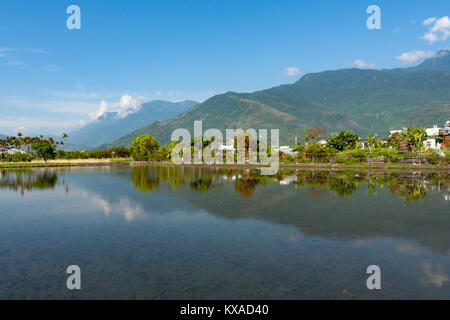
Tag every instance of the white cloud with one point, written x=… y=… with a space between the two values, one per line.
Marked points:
x=22 y=130
x=45 y=105
x=429 y=21
x=50 y=68
x=439 y=29
x=92 y=116
x=434 y=274
x=409 y=248
x=363 y=65
x=414 y=56
x=35 y=125
x=15 y=63
x=131 y=211
x=4 y=52
x=291 y=71
x=127 y=105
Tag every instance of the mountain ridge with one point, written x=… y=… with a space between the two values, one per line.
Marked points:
x=361 y=100
x=111 y=125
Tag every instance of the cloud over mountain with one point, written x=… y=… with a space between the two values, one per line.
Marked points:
x=414 y=56
x=439 y=29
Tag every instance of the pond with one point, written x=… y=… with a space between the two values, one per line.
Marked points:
x=207 y=233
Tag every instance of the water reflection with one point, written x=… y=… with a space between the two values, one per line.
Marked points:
x=195 y=233
x=26 y=180
x=408 y=186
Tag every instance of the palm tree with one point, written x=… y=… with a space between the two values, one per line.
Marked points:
x=416 y=138
x=372 y=139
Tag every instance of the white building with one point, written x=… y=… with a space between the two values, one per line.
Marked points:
x=287 y=150
x=433 y=132
x=10 y=151
x=397 y=131
x=432 y=142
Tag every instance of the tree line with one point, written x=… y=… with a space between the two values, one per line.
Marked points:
x=340 y=147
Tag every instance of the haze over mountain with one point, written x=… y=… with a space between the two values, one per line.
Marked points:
x=349 y=99
x=110 y=125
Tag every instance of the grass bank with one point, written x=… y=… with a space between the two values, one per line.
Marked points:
x=130 y=162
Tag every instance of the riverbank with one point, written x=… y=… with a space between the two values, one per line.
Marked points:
x=67 y=163
x=290 y=166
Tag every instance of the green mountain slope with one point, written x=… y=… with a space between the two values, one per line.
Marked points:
x=360 y=100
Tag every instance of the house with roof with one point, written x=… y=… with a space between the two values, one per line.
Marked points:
x=287 y=150
x=437 y=137
x=434 y=141
x=445 y=134
x=10 y=151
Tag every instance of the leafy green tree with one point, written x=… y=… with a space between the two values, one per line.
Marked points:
x=144 y=148
x=44 y=150
x=395 y=139
x=416 y=137
x=316 y=151
x=343 y=140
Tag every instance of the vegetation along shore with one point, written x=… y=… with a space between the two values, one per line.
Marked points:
x=404 y=149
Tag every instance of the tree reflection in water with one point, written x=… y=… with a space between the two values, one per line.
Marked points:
x=26 y=180
x=410 y=187
x=144 y=179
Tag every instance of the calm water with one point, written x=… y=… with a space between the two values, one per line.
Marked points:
x=190 y=233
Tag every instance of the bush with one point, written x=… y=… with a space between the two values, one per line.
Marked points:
x=144 y=148
x=353 y=156
x=94 y=154
x=343 y=140
x=17 y=157
x=432 y=157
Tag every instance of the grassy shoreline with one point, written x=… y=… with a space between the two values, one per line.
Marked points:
x=129 y=162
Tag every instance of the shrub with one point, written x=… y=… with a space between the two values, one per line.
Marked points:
x=344 y=140
x=432 y=157
x=144 y=148
x=352 y=156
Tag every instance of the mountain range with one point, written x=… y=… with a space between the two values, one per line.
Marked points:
x=360 y=100
x=111 y=125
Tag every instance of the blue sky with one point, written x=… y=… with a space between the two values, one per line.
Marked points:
x=53 y=79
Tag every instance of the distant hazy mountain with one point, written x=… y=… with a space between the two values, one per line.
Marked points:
x=111 y=126
x=440 y=62
x=352 y=99
x=2 y=136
